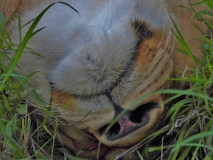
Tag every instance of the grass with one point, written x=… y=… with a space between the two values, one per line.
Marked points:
x=186 y=133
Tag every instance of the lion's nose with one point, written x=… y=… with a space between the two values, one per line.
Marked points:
x=128 y=122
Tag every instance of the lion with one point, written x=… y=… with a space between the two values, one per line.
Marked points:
x=102 y=58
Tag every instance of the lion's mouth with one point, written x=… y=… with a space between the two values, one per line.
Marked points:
x=128 y=122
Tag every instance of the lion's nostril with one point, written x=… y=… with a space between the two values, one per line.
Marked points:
x=129 y=122
x=114 y=130
x=138 y=115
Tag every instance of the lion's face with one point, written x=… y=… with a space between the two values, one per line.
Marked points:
x=104 y=84
x=103 y=65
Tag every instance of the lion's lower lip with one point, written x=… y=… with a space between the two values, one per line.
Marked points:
x=129 y=122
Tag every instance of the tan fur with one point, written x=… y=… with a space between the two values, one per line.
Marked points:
x=156 y=61
x=189 y=31
x=8 y=7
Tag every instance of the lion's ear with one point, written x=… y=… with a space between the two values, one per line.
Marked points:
x=8 y=7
